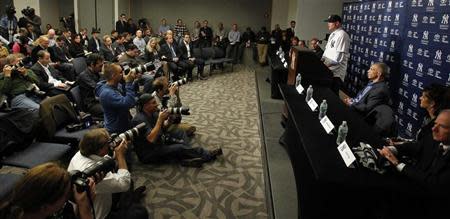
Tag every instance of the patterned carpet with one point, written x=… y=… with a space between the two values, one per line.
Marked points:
x=224 y=109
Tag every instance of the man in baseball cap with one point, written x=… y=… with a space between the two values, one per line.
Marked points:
x=336 y=52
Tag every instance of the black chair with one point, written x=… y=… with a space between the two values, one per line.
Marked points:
x=37 y=153
x=79 y=65
x=8 y=180
x=76 y=95
x=381 y=118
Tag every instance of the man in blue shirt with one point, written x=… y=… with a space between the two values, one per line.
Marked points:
x=375 y=93
x=116 y=99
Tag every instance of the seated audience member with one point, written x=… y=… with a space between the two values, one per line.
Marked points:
x=41 y=44
x=162 y=88
x=51 y=35
x=170 y=53
x=314 y=45
x=294 y=42
x=3 y=51
x=375 y=93
x=234 y=37
x=87 y=80
x=118 y=45
x=32 y=32
x=94 y=42
x=21 y=46
x=43 y=192
x=187 y=59
x=168 y=34
x=15 y=83
x=431 y=154
x=67 y=34
x=106 y=50
x=262 y=45
x=84 y=37
x=130 y=55
x=302 y=44
x=22 y=32
x=157 y=145
x=76 y=49
x=148 y=34
x=139 y=41
x=114 y=35
x=115 y=101
x=50 y=79
x=59 y=52
x=152 y=54
x=95 y=145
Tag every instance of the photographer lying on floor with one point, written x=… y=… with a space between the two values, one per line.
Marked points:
x=155 y=144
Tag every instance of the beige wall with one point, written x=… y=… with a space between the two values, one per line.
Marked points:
x=105 y=15
x=253 y=13
x=283 y=11
x=50 y=13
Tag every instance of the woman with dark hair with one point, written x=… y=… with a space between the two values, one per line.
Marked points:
x=76 y=48
x=44 y=191
x=21 y=46
x=431 y=100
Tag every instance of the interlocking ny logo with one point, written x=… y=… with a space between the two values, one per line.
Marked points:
x=420 y=67
x=425 y=35
x=410 y=48
x=431 y=3
x=444 y=19
x=438 y=54
x=414 y=98
x=415 y=18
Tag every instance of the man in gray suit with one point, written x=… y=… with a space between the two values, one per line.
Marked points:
x=375 y=93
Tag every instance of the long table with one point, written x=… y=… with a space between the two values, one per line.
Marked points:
x=326 y=187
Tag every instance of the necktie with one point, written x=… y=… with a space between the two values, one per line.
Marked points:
x=173 y=51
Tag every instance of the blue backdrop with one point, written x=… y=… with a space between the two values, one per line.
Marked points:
x=412 y=38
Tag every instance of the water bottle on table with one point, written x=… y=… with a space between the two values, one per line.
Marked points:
x=309 y=93
x=323 y=109
x=298 y=79
x=342 y=133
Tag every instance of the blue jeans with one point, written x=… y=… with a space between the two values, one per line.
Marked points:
x=22 y=101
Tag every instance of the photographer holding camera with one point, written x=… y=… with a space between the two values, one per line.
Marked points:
x=19 y=84
x=167 y=96
x=116 y=100
x=44 y=193
x=94 y=146
x=30 y=17
x=155 y=144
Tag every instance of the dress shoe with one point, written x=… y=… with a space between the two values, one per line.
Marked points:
x=202 y=77
x=194 y=162
x=216 y=152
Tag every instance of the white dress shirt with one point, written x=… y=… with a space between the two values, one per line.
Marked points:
x=51 y=79
x=112 y=183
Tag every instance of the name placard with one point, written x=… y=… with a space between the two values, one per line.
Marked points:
x=312 y=104
x=300 y=89
x=327 y=124
x=346 y=154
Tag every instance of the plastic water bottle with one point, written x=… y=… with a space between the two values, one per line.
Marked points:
x=323 y=109
x=298 y=79
x=309 y=93
x=342 y=133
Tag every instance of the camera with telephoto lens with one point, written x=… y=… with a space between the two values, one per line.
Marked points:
x=179 y=82
x=80 y=178
x=149 y=66
x=28 y=11
x=128 y=135
x=179 y=110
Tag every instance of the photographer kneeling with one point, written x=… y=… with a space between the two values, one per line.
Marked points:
x=93 y=147
x=43 y=192
x=155 y=144
x=168 y=96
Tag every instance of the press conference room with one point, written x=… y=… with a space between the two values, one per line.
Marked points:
x=224 y=109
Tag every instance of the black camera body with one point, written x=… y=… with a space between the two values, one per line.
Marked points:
x=28 y=11
x=80 y=178
x=128 y=135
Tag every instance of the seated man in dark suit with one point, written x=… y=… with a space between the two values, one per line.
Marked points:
x=119 y=46
x=187 y=59
x=87 y=80
x=50 y=79
x=106 y=49
x=375 y=93
x=170 y=53
x=431 y=154
x=94 y=43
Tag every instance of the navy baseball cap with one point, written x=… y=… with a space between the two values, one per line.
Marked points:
x=333 y=18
